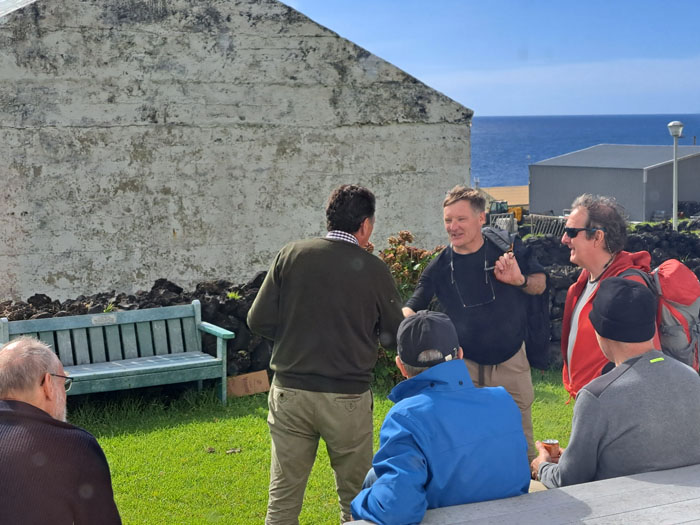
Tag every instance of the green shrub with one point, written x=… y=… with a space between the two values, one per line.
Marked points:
x=406 y=263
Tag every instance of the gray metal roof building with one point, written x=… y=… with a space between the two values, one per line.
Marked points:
x=639 y=177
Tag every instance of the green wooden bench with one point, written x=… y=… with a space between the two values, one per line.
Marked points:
x=131 y=349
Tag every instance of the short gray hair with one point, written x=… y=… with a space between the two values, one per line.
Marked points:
x=604 y=212
x=23 y=362
x=424 y=357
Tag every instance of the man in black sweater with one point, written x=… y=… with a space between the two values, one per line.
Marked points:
x=325 y=303
x=482 y=290
x=51 y=471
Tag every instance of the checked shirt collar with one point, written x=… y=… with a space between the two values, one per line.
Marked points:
x=341 y=236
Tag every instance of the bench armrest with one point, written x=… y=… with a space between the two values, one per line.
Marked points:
x=216 y=330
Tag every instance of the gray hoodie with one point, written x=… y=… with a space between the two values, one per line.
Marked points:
x=643 y=415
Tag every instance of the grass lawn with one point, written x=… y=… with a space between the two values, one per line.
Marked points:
x=184 y=459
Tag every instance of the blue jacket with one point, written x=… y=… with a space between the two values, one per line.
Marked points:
x=445 y=442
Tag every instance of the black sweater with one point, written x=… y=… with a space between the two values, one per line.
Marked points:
x=491 y=327
x=51 y=471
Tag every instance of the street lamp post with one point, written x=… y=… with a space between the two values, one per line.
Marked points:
x=675 y=128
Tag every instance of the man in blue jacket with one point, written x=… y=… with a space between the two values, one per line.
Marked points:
x=445 y=442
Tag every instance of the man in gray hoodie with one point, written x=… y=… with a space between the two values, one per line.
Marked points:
x=639 y=417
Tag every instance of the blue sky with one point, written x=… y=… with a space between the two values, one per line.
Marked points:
x=534 y=57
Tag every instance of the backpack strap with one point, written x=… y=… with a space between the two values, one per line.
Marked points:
x=500 y=238
x=645 y=276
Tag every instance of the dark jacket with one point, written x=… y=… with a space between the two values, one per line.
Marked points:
x=51 y=471
x=493 y=331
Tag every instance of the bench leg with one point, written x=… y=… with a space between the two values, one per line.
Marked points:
x=200 y=384
x=222 y=391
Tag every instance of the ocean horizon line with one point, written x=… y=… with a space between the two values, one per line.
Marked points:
x=590 y=115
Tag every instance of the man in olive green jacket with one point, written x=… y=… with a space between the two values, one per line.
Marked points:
x=325 y=303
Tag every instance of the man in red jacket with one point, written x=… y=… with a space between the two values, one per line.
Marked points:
x=596 y=233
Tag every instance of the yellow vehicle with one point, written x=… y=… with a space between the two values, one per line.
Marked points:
x=502 y=207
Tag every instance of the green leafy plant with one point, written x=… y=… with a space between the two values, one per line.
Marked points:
x=406 y=263
x=109 y=308
x=386 y=373
x=235 y=295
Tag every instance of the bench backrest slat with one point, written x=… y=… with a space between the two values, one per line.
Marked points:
x=129 y=346
x=145 y=338
x=193 y=342
x=81 y=347
x=97 y=344
x=4 y=331
x=114 y=343
x=160 y=337
x=175 y=336
x=64 y=347
x=47 y=337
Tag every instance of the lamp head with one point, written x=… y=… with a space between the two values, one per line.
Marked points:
x=675 y=128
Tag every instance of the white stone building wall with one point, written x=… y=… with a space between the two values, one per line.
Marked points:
x=191 y=139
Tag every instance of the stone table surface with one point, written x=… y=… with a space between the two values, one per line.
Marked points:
x=667 y=496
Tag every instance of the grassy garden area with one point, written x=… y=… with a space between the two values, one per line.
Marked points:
x=185 y=459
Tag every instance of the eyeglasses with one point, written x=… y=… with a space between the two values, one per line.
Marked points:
x=67 y=381
x=485 y=300
x=571 y=233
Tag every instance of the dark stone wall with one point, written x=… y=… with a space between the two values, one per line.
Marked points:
x=226 y=304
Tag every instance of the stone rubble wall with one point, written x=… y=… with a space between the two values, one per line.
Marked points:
x=226 y=304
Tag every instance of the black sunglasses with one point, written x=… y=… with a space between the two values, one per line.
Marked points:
x=67 y=381
x=573 y=232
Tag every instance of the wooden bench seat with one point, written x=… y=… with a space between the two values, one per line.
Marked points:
x=135 y=348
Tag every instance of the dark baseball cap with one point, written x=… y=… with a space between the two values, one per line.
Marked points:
x=624 y=310
x=427 y=330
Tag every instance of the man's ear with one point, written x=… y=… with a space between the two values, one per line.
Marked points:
x=460 y=353
x=401 y=367
x=48 y=388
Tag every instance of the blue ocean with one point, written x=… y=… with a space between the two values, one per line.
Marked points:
x=503 y=147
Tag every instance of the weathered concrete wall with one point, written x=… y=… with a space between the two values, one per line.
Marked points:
x=191 y=139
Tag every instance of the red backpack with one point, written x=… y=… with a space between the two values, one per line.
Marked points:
x=678 y=315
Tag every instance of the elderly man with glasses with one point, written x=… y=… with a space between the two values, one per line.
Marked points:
x=482 y=290
x=51 y=471
x=596 y=233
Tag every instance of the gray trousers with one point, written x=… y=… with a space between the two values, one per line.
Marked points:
x=297 y=419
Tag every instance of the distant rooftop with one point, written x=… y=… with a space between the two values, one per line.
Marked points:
x=620 y=156
x=7 y=6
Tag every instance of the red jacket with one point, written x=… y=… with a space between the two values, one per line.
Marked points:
x=587 y=359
